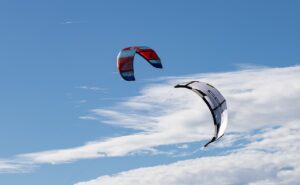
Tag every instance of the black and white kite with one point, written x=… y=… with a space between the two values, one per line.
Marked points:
x=215 y=102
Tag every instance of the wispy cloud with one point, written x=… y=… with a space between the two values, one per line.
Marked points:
x=161 y=115
x=80 y=101
x=249 y=66
x=264 y=108
x=272 y=160
x=15 y=166
x=74 y=22
x=93 y=88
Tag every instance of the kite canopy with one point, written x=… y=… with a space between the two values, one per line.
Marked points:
x=126 y=57
x=215 y=102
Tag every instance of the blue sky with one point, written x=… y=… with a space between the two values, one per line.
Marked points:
x=58 y=65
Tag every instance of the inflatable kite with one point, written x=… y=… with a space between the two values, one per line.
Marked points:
x=126 y=58
x=215 y=102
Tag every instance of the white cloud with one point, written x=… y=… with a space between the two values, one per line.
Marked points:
x=80 y=101
x=258 y=100
x=73 y=22
x=163 y=115
x=92 y=88
x=12 y=166
x=183 y=146
x=274 y=159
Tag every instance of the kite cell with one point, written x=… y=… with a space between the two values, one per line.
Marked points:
x=215 y=102
x=126 y=58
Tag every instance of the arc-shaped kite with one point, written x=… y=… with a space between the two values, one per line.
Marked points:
x=126 y=58
x=215 y=102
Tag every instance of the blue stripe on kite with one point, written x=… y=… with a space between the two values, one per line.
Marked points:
x=156 y=63
x=143 y=47
x=128 y=75
x=126 y=53
x=129 y=78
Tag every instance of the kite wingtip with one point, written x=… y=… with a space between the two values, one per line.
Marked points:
x=212 y=140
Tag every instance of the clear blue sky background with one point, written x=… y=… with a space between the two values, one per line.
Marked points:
x=50 y=48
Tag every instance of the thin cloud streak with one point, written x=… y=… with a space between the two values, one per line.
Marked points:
x=15 y=166
x=74 y=22
x=93 y=88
